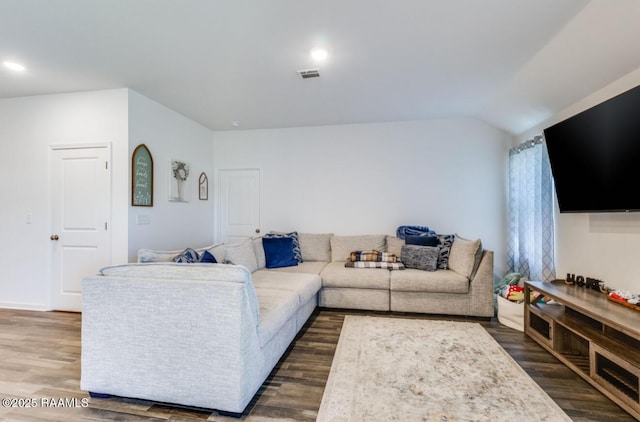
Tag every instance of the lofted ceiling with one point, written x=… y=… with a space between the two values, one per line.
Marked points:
x=511 y=63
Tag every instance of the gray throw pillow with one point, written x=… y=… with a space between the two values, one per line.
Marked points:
x=420 y=257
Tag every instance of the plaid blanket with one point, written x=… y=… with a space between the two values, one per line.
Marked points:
x=369 y=264
x=372 y=256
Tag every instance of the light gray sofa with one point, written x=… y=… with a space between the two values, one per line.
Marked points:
x=208 y=335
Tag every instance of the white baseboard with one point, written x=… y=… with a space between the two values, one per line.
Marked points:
x=24 y=306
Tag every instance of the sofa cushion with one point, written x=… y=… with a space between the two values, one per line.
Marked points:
x=242 y=253
x=315 y=247
x=441 y=281
x=305 y=285
x=342 y=246
x=276 y=308
x=279 y=252
x=394 y=245
x=306 y=267
x=293 y=236
x=219 y=252
x=423 y=258
x=465 y=256
x=259 y=251
x=336 y=275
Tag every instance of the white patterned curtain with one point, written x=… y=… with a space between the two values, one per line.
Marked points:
x=531 y=240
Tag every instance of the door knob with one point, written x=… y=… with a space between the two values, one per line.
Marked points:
x=54 y=237
x=257 y=230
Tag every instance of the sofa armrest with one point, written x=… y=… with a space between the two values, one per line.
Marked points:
x=481 y=287
x=190 y=342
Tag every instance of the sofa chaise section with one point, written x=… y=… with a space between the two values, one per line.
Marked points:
x=191 y=334
x=444 y=291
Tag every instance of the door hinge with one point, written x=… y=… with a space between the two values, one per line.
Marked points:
x=106 y=165
x=105 y=225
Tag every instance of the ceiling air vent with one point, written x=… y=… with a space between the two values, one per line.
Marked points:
x=309 y=73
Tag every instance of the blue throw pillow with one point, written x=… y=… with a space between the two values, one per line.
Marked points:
x=279 y=252
x=296 y=244
x=208 y=258
x=422 y=240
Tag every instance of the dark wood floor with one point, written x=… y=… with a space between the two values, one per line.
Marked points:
x=40 y=358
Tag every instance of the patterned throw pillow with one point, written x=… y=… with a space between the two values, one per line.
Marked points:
x=188 y=255
x=446 y=240
x=296 y=244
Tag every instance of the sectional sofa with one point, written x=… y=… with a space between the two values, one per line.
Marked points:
x=209 y=335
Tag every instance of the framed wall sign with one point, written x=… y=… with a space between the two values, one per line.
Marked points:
x=141 y=177
x=203 y=187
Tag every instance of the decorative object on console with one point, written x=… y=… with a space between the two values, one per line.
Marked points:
x=141 y=177
x=178 y=187
x=626 y=298
x=203 y=187
x=588 y=282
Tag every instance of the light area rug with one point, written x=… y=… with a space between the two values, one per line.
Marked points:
x=392 y=369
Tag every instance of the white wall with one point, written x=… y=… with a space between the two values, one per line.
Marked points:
x=167 y=134
x=604 y=246
x=448 y=174
x=30 y=125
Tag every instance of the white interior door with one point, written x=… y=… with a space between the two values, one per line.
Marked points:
x=239 y=204
x=80 y=208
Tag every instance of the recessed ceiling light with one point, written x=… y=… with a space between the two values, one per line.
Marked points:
x=235 y=123
x=319 y=54
x=14 y=66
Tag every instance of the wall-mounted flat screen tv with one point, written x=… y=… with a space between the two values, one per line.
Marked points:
x=595 y=157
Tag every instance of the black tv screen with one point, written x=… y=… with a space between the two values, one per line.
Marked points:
x=595 y=157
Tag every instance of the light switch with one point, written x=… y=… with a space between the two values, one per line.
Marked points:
x=143 y=219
